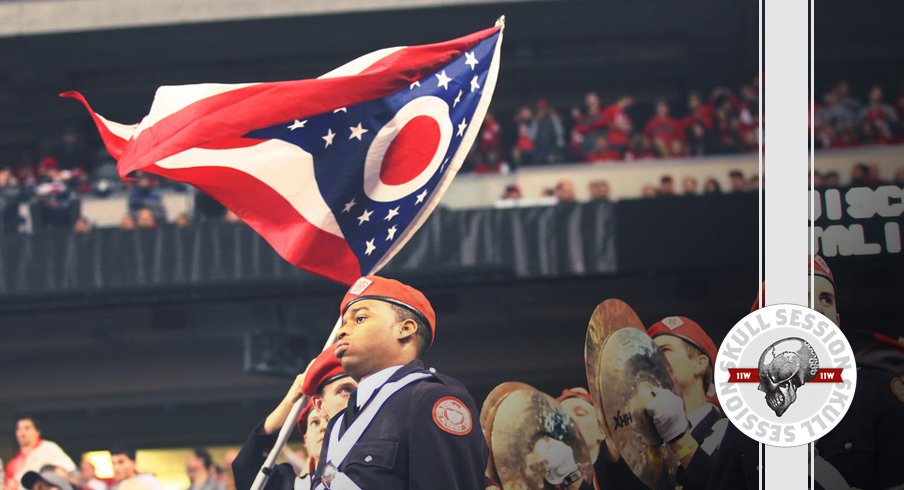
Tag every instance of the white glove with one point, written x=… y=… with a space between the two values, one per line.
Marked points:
x=667 y=410
x=559 y=459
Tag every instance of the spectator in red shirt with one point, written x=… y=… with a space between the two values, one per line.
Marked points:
x=591 y=124
x=601 y=151
x=618 y=124
x=880 y=115
x=523 y=153
x=663 y=129
x=697 y=112
x=489 y=134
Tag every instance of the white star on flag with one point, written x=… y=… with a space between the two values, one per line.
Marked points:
x=462 y=127
x=457 y=99
x=391 y=233
x=392 y=214
x=474 y=85
x=349 y=205
x=357 y=132
x=370 y=246
x=417 y=83
x=471 y=60
x=420 y=197
x=443 y=80
x=328 y=138
x=341 y=109
x=365 y=216
x=297 y=124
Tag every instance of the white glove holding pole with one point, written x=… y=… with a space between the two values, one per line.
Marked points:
x=667 y=411
x=559 y=459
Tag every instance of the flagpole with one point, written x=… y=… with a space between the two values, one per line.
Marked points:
x=264 y=474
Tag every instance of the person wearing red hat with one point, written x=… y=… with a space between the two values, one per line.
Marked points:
x=690 y=423
x=329 y=387
x=405 y=426
x=863 y=450
x=865 y=446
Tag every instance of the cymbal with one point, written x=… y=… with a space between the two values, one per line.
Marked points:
x=610 y=315
x=630 y=365
x=523 y=418
x=488 y=414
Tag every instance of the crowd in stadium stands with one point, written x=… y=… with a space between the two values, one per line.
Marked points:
x=54 y=466
x=723 y=122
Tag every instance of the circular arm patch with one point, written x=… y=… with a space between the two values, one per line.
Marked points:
x=452 y=416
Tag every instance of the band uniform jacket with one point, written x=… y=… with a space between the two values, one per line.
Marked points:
x=865 y=446
x=251 y=457
x=405 y=445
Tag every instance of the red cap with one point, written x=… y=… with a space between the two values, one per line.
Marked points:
x=577 y=392
x=817 y=266
x=688 y=330
x=324 y=369
x=391 y=291
x=302 y=423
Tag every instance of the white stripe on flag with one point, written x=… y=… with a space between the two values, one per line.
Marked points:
x=361 y=63
x=170 y=99
x=284 y=167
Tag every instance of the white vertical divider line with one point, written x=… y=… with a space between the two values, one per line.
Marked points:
x=760 y=190
x=786 y=229
x=812 y=196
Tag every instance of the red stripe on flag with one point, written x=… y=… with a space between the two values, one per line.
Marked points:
x=294 y=238
x=115 y=144
x=240 y=111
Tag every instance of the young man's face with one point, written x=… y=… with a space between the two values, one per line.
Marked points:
x=584 y=415
x=686 y=368
x=334 y=398
x=369 y=339
x=123 y=467
x=313 y=436
x=27 y=434
x=825 y=299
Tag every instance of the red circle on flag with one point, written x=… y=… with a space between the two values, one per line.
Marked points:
x=410 y=151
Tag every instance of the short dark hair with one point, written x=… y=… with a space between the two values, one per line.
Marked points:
x=33 y=420
x=127 y=451
x=694 y=351
x=423 y=333
x=204 y=456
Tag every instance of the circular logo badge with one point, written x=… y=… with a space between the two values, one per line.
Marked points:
x=452 y=416
x=785 y=375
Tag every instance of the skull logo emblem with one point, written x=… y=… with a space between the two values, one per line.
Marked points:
x=784 y=367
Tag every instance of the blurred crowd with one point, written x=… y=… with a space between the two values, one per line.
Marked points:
x=723 y=122
x=41 y=464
